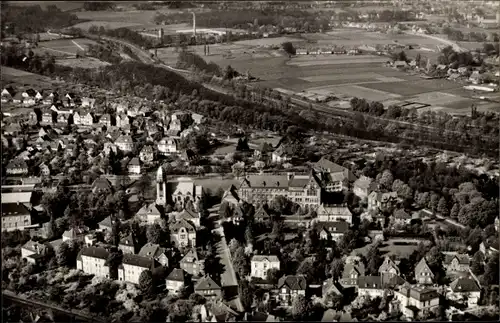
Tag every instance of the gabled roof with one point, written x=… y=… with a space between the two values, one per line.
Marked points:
x=134 y=162
x=149 y=209
x=423 y=266
x=177 y=275
x=388 y=265
x=206 y=283
x=127 y=240
x=125 y=139
x=326 y=165
x=192 y=254
x=334 y=227
x=294 y=282
x=261 y=213
x=330 y=286
x=266 y=181
x=101 y=183
x=349 y=268
x=138 y=261
x=182 y=223
x=95 y=252
x=464 y=285
x=14 y=209
x=463 y=259
x=334 y=210
x=188 y=214
x=421 y=294
x=17 y=163
x=151 y=250
x=270 y=258
x=73 y=233
x=370 y=282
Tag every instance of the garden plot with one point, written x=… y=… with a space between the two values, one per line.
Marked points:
x=437 y=98
x=335 y=60
x=65 y=47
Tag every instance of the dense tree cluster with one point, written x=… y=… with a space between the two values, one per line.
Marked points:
x=190 y=60
x=104 y=53
x=98 y=5
x=458 y=35
x=454 y=59
x=126 y=34
x=33 y=19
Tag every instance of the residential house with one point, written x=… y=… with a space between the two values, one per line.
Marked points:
x=183 y=234
x=261 y=214
x=154 y=251
x=70 y=99
x=125 y=143
x=101 y=186
x=261 y=264
x=76 y=233
x=208 y=288
x=106 y=224
x=382 y=201
x=333 y=231
x=456 y=262
x=47 y=118
x=414 y=300
x=334 y=177
x=44 y=169
x=34 y=252
x=105 y=120
x=388 y=268
x=93 y=261
x=423 y=273
x=122 y=120
x=263 y=151
x=87 y=119
x=197 y=118
x=29 y=97
x=370 y=286
x=192 y=263
x=363 y=186
x=175 y=281
x=90 y=239
x=304 y=190
x=17 y=98
x=190 y=216
x=465 y=289
x=489 y=248
x=132 y=267
x=16 y=167
x=352 y=272
x=175 y=125
x=88 y=102
x=282 y=154
x=15 y=216
x=149 y=214
x=147 y=154
x=63 y=118
x=289 y=287
x=331 y=287
x=168 y=146
x=476 y=77
x=400 y=217
x=134 y=166
x=127 y=244
x=7 y=94
x=399 y=64
x=334 y=213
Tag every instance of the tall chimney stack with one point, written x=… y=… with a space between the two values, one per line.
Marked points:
x=194 y=24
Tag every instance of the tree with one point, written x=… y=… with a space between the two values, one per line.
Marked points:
x=146 y=282
x=114 y=260
x=454 y=210
x=491 y=273
x=336 y=268
x=476 y=265
x=433 y=202
x=63 y=254
x=442 y=207
x=288 y=48
x=386 y=179
x=374 y=259
x=115 y=231
x=300 y=307
x=246 y=294
x=241 y=263
x=249 y=235
x=273 y=275
x=154 y=234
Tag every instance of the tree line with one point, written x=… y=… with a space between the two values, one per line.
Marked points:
x=33 y=19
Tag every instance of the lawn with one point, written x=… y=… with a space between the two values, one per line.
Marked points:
x=64 y=47
x=397 y=247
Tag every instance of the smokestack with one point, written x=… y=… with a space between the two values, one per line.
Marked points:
x=194 y=24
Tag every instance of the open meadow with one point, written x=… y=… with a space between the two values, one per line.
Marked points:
x=63 y=47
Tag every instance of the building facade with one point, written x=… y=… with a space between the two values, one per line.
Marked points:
x=92 y=260
x=260 y=265
x=132 y=267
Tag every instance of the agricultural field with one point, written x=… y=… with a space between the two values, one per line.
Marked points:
x=87 y=62
x=63 y=47
x=23 y=78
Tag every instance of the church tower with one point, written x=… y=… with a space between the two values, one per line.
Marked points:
x=161 y=187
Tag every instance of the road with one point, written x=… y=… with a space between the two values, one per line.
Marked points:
x=450 y=221
x=228 y=278
x=33 y=303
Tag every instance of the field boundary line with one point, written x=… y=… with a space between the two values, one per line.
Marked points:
x=78 y=45
x=60 y=51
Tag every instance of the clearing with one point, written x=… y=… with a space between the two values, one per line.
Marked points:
x=87 y=62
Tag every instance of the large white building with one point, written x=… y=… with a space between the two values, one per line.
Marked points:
x=334 y=213
x=181 y=192
x=132 y=267
x=92 y=260
x=183 y=234
x=15 y=216
x=414 y=300
x=261 y=264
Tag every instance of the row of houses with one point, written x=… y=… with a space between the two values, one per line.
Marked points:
x=30 y=97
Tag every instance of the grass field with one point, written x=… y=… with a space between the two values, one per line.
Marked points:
x=64 y=47
x=87 y=62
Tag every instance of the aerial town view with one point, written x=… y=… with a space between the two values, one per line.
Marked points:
x=272 y=161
